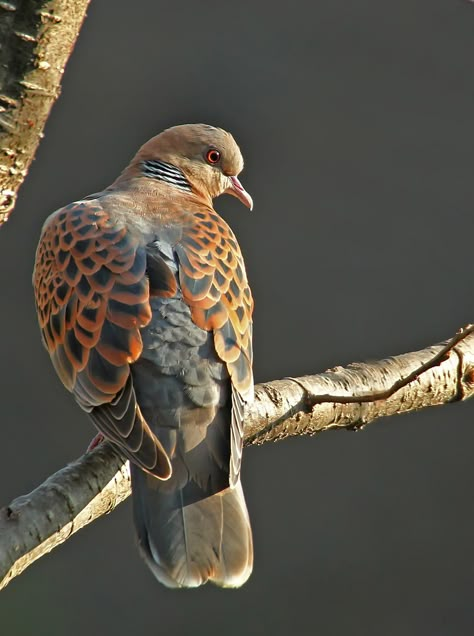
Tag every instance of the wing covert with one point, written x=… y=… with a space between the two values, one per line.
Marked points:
x=92 y=297
x=214 y=285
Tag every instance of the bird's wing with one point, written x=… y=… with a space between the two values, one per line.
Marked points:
x=92 y=297
x=214 y=284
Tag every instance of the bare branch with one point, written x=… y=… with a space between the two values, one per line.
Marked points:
x=36 y=40
x=99 y=481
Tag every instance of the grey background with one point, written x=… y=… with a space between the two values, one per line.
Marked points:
x=356 y=120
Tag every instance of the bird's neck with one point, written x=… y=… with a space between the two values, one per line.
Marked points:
x=163 y=180
x=167 y=173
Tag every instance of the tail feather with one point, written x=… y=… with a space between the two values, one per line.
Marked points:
x=187 y=544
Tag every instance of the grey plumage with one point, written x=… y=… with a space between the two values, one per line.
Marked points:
x=194 y=526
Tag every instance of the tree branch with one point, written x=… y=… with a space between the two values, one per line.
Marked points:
x=349 y=398
x=36 y=40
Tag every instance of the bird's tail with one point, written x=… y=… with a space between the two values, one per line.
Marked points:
x=188 y=539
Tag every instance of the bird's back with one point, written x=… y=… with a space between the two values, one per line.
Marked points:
x=187 y=523
x=193 y=526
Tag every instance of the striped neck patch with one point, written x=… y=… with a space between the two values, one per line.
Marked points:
x=166 y=172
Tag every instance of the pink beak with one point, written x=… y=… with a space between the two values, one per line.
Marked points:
x=236 y=189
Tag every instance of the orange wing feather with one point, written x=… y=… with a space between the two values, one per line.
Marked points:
x=92 y=298
x=214 y=284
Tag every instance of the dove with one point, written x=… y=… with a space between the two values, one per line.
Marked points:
x=145 y=309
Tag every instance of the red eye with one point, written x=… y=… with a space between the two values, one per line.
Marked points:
x=213 y=156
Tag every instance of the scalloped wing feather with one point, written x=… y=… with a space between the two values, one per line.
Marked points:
x=92 y=297
x=214 y=284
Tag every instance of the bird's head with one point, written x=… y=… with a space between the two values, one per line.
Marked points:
x=208 y=158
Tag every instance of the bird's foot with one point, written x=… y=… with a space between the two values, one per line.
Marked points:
x=98 y=439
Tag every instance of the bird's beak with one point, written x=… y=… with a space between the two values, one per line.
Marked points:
x=236 y=189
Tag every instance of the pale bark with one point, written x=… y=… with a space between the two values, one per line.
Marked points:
x=350 y=398
x=36 y=40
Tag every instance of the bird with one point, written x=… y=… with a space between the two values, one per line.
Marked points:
x=145 y=308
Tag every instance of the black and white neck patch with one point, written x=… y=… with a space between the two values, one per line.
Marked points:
x=166 y=172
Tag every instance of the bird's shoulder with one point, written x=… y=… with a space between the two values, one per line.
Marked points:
x=92 y=297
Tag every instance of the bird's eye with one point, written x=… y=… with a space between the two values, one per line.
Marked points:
x=213 y=156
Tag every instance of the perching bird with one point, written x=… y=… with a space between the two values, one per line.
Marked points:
x=145 y=309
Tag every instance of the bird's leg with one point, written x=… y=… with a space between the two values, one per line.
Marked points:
x=98 y=439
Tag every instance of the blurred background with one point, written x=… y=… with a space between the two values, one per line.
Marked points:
x=356 y=120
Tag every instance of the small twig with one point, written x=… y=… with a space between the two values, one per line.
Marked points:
x=312 y=400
